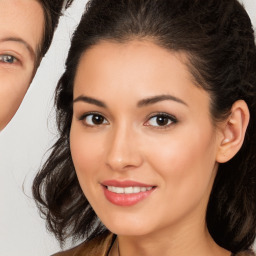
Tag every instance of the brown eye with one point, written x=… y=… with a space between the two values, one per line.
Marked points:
x=94 y=120
x=161 y=120
x=97 y=119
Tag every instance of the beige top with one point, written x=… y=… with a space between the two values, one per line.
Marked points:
x=100 y=246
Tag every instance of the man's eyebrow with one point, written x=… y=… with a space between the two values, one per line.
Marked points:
x=90 y=101
x=158 y=98
x=21 y=41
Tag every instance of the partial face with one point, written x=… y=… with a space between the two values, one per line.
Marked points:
x=21 y=31
x=142 y=139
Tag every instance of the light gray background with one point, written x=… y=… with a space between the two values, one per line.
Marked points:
x=23 y=145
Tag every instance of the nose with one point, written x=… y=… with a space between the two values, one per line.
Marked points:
x=123 y=151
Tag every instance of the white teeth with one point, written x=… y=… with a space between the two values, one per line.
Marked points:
x=128 y=190
x=136 y=189
x=119 y=190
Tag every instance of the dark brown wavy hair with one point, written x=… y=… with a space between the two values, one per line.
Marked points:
x=218 y=38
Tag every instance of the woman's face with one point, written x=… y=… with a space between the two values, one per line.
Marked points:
x=142 y=139
x=21 y=31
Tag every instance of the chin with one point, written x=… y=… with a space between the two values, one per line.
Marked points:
x=3 y=124
x=128 y=228
x=128 y=232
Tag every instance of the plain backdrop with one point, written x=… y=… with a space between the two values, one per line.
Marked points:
x=24 y=142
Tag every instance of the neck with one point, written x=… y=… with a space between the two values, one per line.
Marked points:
x=182 y=243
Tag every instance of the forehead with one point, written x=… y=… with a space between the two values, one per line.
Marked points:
x=23 y=20
x=133 y=62
x=136 y=70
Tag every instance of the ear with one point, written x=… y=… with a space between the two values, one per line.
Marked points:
x=232 y=131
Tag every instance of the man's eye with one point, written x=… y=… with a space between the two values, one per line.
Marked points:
x=94 y=119
x=161 y=120
x=9 y=59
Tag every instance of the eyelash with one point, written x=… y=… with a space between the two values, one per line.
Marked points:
x=93 y=114
x=8 y=56
x=171 y=120
x=167 y=117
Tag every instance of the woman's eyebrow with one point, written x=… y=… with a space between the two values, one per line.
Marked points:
x=90 y=101
x=20 y=41
x=155 y=99
x=141 y=103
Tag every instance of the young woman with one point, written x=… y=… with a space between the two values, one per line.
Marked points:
x=156 y=115
x=26 y=31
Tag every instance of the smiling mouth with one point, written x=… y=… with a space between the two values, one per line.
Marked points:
x=127 y=195
x=127 y=190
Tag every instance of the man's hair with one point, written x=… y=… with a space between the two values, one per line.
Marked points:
x=52 y=12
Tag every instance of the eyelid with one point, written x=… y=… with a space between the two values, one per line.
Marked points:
x=17 y=58
x=173 y=119
x=8 y=55
x=17 y=51
x=84 y=115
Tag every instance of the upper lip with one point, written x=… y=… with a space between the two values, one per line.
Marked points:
x=124 y=183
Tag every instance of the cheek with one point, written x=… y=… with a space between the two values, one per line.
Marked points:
x=12 y=91
x=185 y=161
x=85 y=152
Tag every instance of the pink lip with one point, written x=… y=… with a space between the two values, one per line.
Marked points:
x=125 y=199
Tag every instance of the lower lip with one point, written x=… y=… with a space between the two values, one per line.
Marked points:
x=126 y=199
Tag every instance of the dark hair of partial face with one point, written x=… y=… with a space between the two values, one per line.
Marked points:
x=218 y=40
x=52 y=12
